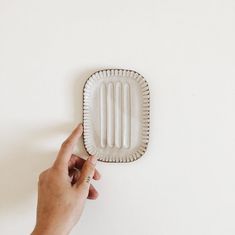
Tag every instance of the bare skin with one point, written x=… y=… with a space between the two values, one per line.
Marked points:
x=64 y=188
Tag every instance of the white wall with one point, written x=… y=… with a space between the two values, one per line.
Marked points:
x=185 y=184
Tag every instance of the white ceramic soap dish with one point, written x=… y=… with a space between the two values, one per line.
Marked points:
x=116 y=106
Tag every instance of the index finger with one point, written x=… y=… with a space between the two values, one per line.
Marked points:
x=67 y=147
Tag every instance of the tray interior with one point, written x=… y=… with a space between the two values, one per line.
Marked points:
x=116 y=115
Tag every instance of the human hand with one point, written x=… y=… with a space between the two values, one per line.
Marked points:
x=63 y=189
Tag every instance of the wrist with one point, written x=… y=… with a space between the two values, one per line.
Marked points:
x=49 y=230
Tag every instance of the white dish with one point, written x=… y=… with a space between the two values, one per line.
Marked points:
x=116 y=106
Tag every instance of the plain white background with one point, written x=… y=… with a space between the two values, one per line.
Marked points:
x=185 y=183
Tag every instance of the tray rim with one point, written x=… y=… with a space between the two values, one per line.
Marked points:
x=83 y=114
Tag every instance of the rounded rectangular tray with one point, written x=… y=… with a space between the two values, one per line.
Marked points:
x=116 y=113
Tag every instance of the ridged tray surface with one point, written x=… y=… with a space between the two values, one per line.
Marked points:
x=116 y=106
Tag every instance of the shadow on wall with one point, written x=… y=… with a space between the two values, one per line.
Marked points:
x=26 y=158
x=22 y=164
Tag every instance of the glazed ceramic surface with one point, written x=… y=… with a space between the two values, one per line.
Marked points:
x=116 y=106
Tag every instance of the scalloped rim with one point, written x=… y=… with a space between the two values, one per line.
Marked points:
x=146 y=116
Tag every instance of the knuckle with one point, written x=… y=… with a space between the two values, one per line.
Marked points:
x=56 y=166
x=84 y=186
x=42 y=176
x=66 y=144
x=90 y=167
x=88 y=172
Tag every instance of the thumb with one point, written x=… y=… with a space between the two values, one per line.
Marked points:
x=86 y=174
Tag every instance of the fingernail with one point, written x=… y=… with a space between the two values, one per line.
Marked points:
x=93 y=159
x=80 y=125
